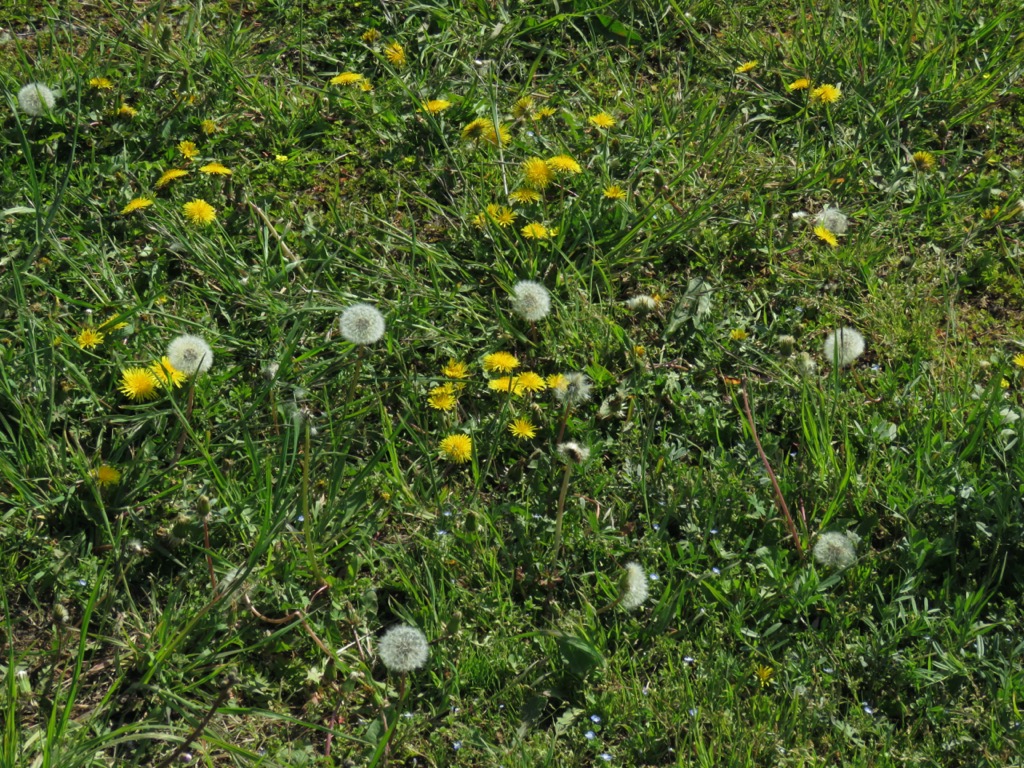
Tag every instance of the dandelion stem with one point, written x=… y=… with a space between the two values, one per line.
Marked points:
x=307 y=524
x=185 y=421
x=562 y=423
x=355 y=377
x=560 y=513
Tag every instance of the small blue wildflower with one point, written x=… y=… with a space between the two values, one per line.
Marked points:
x=456 y=745
x=606 y=757
x=590 y=735
x=688 y=659
x=595 y=718
x=715 y=571
x=300 y=519
x=693 y=711
x=867 y=709
x=652 y=576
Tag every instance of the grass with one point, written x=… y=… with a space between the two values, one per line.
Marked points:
x=220 y=601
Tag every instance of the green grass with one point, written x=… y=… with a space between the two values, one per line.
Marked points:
x=222 y=601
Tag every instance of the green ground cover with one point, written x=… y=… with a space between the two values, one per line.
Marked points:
x=648 y=513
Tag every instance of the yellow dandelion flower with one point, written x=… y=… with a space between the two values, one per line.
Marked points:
x=738 y=334
x=1004 y=383
x=436 y=106
x=127 y=111
x=105 y=475
x=101 y=83
x=522 y=429
x=746 y=66
x=455 y=369
x=504 y=384
x=346 y=78
x=524 y=195
x=457 y=448
x=543 y=112
x=522 y=107
x=167 y=374
x=138 y=384
x=800 y=84
x=923 y=161
x=112 y=324
x=188 y=149
x=614 y=192
x=136 y=204
x=475 y=129
x=563 y=164
x=499 y=136
x=557 y=382
x=280 y=158
x=442 y=398
x=168 y=176
x=89 y=338
x=825 y=234
x=366 y=86
x=826 y=94
x=602 y=120
x=764 y=675
x=501 y=215
x=528 y=381
x=537 y=173
x=1018 y=360
x=215 y=169
x=370 y=36
x=537 y=231
x=209 y=127
x=199 y=212
x=502 y=362
x=639 y=350
x=395 y=53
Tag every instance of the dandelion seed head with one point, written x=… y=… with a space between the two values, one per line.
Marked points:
x=403 y=649
x=190 y=354
x=35 y=99
x=573 y=452
x=834 y=549
x=361 y=324
x=633 y=589
x=843 y=346
x=576 y=389
x=531 y=300
x=833 y=220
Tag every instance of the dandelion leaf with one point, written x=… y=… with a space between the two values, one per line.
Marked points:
x=692 y=308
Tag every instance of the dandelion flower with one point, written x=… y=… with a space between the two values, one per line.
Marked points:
x=215 y=169
x=199 y=212
x=764 y=675
x=89 y=338
x=835 y=550
x=501 y=362
x=531 y=300
x=500 y=215
x=101 y=83
x=346 y=78
x=1018 y=360
x=536 y=231
x=543 y=112
x=826 y=94
x=524 y=195
x=800 y=84
x=475 y=128
x=457 y=448
x=436 y=106
x=281 y=158
x=833 y=220
x=455 y=369
x=576 y=389
x=614 y=192
x=528 y=381
x=370 y=36
x=633 y=587
x=395 y=53
x=138 y=384
x=136 y=204
x=564 y=164
x=602 y=120
x=843 y=346
x=168 y=176
x=105 y=476
x=738 y=334
x=497 y=135
x=556 y=381
x=825 y=234
x=127 y=111
x=167 y=374
x=190 y=354
x=537 y=173
x=522 y=429
x=442 y=398
x=805 y=365
x=573 y=453
x=208 y=127
x=35 y=99
x=188 y=149
x=403 y=649
x=746 y=66
x=503 y=384
x=923 y=161
x=361 y=324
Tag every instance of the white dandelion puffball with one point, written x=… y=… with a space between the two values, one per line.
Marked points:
x=634 y=587
x=403 y=649
x=190 y=354
x=575 y=390
x=843 y=346
x=36 y=99
x=574 y=453
x=833 y=220
x=530 y=300
x=835 y=550
x=361 y=324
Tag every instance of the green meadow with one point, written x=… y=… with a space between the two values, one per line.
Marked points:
x=511 y=383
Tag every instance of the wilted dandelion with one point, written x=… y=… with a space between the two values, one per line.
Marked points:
x=403 y=649
x=614 y=192
x=346 y=78
x=531 y=300
x=395 y=53
x=36 y=100
x=835 y=550
x=746 y=66
x=199 y=212
x=826 y=94
x=502 y=362
x=764 y=675
x=843 y=346
x=361 y=324
x=89 y=338
x=188 y=149
x=573 y=453
x=633 y=591
x=436 y=106
x=457 y=448
x=643 y=303
x=522 y=429
x=215 y=169
x=138 y=384
x=170 y=175
x=564 y=164
x=370 y=36
x=537 y=173
x=602 y=120
x=805 y=365
x=800 y=84
x=833 y=220
x=136 y=204
x=189 y=354
x=825 y=234
x=575 y=390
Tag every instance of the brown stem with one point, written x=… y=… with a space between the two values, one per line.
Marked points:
x=780 y=502
x=560 y=514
